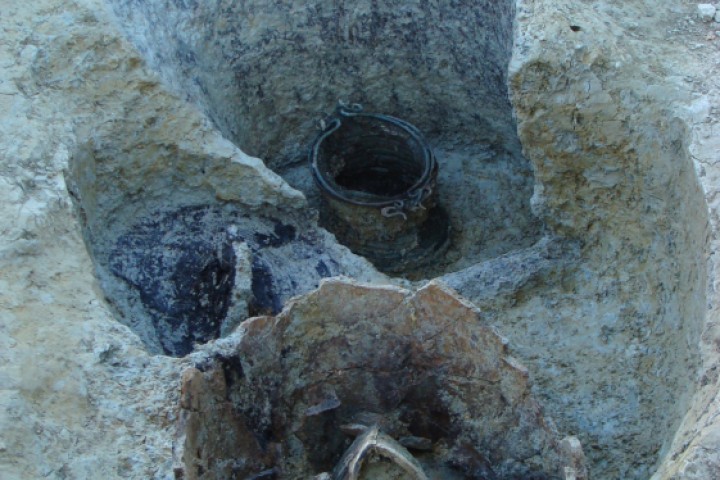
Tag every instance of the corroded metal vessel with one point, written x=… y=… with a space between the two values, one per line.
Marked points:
x=378 y=178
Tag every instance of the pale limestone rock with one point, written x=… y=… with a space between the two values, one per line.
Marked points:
x=706 y=12
x=612 y=169
x=77 y=386
x=242 y=291
x=609 y=333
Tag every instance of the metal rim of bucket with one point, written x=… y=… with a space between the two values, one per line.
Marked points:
x=412 y=198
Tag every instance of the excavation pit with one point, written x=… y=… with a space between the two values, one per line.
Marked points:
x=583 y=245
x=378 y=180
x=267 y=83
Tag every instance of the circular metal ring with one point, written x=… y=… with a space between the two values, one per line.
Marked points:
x=351 y=125
x=377 y=176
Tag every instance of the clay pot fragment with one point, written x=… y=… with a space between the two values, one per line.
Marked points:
x=345 y=374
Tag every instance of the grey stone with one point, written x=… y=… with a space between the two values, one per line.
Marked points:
x=585 y=204
x=706 y=12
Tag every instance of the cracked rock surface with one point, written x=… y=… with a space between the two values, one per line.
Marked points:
x=610 y=132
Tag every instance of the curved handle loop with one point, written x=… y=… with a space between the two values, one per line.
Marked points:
x=414 y=197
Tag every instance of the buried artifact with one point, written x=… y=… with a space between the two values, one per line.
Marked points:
x=378 y=179
x=424 y=387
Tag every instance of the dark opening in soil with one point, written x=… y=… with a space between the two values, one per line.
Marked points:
x=381 y=173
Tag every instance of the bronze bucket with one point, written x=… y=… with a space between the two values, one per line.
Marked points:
x=378 y=179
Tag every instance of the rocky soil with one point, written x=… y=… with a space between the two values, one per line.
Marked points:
x=604 y=289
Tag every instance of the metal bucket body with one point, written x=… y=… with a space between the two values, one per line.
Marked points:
x=378 y=180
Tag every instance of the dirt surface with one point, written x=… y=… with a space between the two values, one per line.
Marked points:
x=81 y=396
